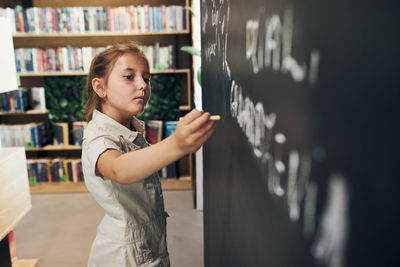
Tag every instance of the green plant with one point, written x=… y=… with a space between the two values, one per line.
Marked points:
x=65 y=98
x=164 y=101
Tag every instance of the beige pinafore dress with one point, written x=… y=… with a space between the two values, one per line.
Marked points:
x=133 y=230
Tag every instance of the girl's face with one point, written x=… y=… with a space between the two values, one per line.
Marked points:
x=128 y=88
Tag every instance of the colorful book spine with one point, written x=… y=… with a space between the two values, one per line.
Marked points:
x=60 y=134
x=15 y=101
x=78 y=128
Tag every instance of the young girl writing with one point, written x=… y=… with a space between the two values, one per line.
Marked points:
x=120 y=168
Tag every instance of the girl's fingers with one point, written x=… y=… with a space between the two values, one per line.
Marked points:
x=194 y=129
x=199 y=122
x=191 y=116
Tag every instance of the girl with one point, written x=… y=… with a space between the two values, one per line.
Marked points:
x=120 y=168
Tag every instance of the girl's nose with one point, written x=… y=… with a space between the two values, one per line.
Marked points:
x=141 y=84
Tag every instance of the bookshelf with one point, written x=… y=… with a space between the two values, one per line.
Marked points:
x=177 y=38
x=56 y=148
x=184 y=183
x=26 y=113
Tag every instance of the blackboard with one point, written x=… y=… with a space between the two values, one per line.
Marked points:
x=302 y=169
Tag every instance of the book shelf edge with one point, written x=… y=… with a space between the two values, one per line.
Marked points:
x=81 y=73
x=184 y=183
x=96 y=34
x=26 y=263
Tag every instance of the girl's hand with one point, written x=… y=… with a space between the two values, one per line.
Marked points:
x=193 y=130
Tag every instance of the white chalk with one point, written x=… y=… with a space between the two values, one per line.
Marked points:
x=215 y=117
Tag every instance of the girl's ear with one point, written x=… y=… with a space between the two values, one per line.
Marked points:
x=98 y=87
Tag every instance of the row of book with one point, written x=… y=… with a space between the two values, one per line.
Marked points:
x=19 y=100
x=54 y=170
x=34 y=134
x=131 y=18
x=61 y=59
x=15 y=101
x=26 y=135
x=65 y=59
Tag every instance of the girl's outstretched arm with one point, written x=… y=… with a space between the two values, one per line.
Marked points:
x=191 y=132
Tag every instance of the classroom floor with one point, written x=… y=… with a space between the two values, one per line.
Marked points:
x=60 y=228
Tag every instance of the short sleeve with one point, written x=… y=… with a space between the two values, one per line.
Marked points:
x=96 y=146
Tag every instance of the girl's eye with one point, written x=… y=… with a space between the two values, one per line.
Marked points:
x=129 y=77
x=147 y=80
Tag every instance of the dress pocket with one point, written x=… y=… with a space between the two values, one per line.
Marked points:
x=154 y=192
x=142 y=252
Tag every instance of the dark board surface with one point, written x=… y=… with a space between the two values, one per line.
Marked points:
x=302 y=169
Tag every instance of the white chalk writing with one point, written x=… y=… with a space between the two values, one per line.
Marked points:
x=277 y=40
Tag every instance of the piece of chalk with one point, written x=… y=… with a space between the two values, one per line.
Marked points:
x=215 y=117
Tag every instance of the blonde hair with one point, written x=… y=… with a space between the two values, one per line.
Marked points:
x=101 y=67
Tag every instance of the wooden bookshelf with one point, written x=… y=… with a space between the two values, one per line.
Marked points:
x=101 y=39
x=183 y=183
x=81 y=73
x=29 y=36
x=55 y=148
x=26 y=113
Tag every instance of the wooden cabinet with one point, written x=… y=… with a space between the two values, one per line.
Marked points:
x=100 y=39
x=15 y=199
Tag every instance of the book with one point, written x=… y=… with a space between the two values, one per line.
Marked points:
x=171 y=170
x=18 y=134
x=170 y=127
x=171 y=18
x=74 y=171
x=12 y=246
x=40 y=134
x=32 y=171
x=179 y=18
x=21 y=99
x=29 y=142
x=151 y=19
x=5 y=136
x=77 y=169
x=78 y=128
x=154 y=131
x=43 y=170
x=57 y=170
x=62 y=171
x=38 y=98
x=60 y=134
x=141 y=19
x=163 y=58
x=68 y=169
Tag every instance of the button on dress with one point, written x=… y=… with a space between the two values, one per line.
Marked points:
x=133 y=230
